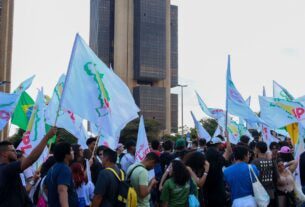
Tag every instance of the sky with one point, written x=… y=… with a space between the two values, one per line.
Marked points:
x=266 y=41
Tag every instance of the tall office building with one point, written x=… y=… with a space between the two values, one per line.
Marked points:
x=6 y=36
x=139 y=39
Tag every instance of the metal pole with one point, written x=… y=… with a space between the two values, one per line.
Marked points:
x=182 y=110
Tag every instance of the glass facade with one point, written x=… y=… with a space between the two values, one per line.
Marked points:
x=149 y=40
x=151 y=101
x=102 y=29
x=174 y=113
x=174 y=45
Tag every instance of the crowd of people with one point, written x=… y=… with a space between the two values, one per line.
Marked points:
x=215 y=172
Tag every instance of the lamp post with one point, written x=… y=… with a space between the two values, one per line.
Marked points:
x=182 y=86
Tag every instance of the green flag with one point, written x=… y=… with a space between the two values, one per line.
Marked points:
x=23 y=111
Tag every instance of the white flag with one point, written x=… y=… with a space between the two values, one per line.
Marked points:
x=201 y=132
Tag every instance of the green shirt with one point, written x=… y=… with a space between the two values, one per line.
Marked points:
x=139 y=177
x=175 y=195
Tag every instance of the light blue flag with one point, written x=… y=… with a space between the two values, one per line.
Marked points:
x=242 y=121
x=236 y=105
x=201 y=132
x=97 y=94
x=278 y=113
x=281 y=92
x=24 y=85
x=7 y=106
x=211 y=112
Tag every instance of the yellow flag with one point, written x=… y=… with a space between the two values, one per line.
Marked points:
x=293 y=130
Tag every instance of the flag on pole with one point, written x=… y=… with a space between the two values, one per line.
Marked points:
x=235 y=102
x=278 y=113
x=23 y=111
x=281 y=92
x=7 y=106
x=96 y=93
x=24 y=85
x=299 y=149
x=267 y=136
x=36 y=129
x=65 y=119
x=201 y=132
x=142 y=147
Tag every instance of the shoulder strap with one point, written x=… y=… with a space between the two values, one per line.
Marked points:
x=116 y=175
x=129 y=175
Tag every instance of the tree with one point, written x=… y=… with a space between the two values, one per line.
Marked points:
x=152 y=128
x=210 y=125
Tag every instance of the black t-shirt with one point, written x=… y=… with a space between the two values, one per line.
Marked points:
x=214 y=187
x=12 y=192
x=267 y=174
x=107 y=186
x=165 y=160
x=302 y=168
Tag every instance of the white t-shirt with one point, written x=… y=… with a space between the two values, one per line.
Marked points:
x=126 y=161
x=86 y=191
x=26 y=174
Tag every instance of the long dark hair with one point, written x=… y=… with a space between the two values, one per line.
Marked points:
x=195 y=160
x=180 y=174
x=78 y=174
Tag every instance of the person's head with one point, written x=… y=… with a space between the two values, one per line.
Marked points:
x=131 y=147
x=180 y=145
x=274 y=148
x=155 y=145
x=151 y=160
x=109 y=157
x=202 y=143
x=195 y=160
x=78 y=151
x=260 y=148
x=91 y=143
x=215 y=142
x=244 y=139
x=194 y=144
x=280 y=165
x=168 y=145
x=63 y=152
x=100 y=151
x=285 y=154
x=7 y=152
x=19 y=154
x=78 y=174
x=179 y=173
x=288 y=140
x=241 y=153
x=120 y=148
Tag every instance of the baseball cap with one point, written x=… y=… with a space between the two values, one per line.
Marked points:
x=285 y=150
x=180 y=143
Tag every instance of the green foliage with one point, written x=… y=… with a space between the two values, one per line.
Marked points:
x=152 y=128
x=210 y=125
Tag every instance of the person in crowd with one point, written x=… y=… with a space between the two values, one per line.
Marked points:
x=155 y=146
x=214 y=188
x=78 y=153
x=96 y=163
x=285 y=183
x=267 y=170
x=202 y=145
x=138 y=174
x=302 y=171
x=244 y=139
x=274 y=148
x=180 y=149
x=12 y=192
x=285 y=154
x=120 y=153
x=27 y=175
x=194 y=145
x=107 y=186
x=129 y=158
x=59 y=182
x=241 y=186
x=198 y=168
x=177 y=188
x=84 y=188
x=91 y=144
x=166 y=156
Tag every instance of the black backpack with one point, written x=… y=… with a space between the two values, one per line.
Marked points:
x=127 y=196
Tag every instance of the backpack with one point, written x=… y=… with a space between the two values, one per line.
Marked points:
x=127 y=196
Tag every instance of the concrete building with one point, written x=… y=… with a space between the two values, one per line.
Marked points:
x=6 y=36
x=139 y=39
